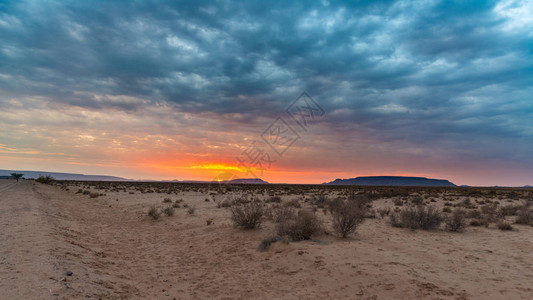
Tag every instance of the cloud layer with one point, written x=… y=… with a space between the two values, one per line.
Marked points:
x=433 y=88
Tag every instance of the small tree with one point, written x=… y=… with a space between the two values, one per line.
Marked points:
x=17 y=176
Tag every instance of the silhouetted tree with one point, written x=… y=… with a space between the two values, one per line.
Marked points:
x=17 y=176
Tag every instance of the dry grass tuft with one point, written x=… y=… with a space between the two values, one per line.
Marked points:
x=504 y=225
x=154 y=213
x=168 y=211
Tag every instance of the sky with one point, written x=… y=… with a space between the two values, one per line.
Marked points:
x=288 y=91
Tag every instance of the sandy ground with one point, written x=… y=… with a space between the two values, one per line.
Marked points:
x=116 y=251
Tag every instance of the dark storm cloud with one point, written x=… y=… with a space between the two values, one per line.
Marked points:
x=420 y=71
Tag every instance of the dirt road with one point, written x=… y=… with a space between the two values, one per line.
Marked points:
x=28 y=270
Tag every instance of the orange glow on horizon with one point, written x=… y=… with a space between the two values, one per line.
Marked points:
x=218 y=166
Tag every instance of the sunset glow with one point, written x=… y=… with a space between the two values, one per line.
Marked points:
x=397 y=88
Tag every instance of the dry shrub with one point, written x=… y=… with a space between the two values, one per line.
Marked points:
x=509 y=210
x=478 y=222
x=265 y=243
x=363 y=200
x=168 y=211
x=395 y=219
x=94 y=195
x=383 y=212
x=504 y=225
x=167 y=200
x=417 y=200
x=335 y=203
x=302 y=227
x=456 y=221
x=283 y=213
x=525 y=215
x=154 y=213
x=319 y=200
x=346 y=216
x=474 y=214
x=273 y=199
x=293 y=203
x=190 y=210
x=417 y=217
x=248 y=215
x=225 y=203
x=490 y=212
x=467 y=203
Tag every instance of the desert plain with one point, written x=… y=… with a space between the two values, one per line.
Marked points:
x=102 y=233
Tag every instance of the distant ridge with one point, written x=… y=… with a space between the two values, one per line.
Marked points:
x=248 y=181
x=63 y=176
x=391 y=181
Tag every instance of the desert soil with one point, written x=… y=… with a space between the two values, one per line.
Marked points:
x=116 y=251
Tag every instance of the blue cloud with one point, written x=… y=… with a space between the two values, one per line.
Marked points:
x=417 y=71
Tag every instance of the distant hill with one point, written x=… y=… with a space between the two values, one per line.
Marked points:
x=391 y=181
x=234 y=181
x=62 y=176
x=248 y=181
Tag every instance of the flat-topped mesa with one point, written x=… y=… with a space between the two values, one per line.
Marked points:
x=391 y=181
x=248 y=181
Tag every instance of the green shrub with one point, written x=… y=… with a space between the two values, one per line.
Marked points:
x=45 y=179
x=17 y=176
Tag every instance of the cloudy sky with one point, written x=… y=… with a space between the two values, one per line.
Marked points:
x=148 y=89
